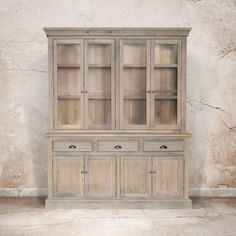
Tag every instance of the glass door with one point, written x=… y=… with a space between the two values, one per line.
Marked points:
x=68 y=84
x=165 y=69
x=134 y=83
x=99 y=84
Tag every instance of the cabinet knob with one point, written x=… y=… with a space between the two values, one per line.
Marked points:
x=163 y=147
x=72 y=146
x=148 y=91
x=117 y=147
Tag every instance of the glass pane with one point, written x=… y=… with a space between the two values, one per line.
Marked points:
x=134 y=54
x=99 y=54
x=165 y=81
x=68 y=54
x=135 y=96
x=99 y=113
x=68 y=111
x=165 y=112
x=165 y=54
x=69 y=84
x=68 y=81
x=134 y=81
x=99 y=81
x=135 y=111
x=99 y=86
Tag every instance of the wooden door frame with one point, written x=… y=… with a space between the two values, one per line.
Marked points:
x=113 y=70
x=55 y=82
x=120 y=90
x=179 y=84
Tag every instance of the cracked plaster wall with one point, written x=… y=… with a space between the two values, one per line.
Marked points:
x=211 y=79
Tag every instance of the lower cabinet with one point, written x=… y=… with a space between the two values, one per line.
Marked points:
x=152 y=177
x=85 y=176
x=158 y=177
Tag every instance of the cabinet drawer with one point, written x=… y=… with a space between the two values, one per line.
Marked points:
x=83 y=146
x=163 y=146
x=124 y=145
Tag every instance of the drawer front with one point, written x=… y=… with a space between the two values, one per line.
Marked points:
x=119 y=146
x=163 y=146
x=82 y=146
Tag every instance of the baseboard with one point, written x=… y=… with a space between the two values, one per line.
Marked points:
x=23 y=192
x=42 y=192
x=212 y=192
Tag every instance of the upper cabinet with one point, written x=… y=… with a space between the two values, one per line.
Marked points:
x=118 y=82
x=84 y=83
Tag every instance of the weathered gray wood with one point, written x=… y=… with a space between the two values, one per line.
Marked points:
x=102 y=162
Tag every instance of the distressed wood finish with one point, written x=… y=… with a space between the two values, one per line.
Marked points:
x=136 y=176
x=100 y=176
x=117 y=118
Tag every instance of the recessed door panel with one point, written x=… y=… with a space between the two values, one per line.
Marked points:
x=135 y=176
x=100 y=176
x=68 y=181
x=167 y=177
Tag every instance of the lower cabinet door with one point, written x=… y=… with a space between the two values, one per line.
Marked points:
x=68 y=181
x=135 y=176
x=167 y=177
x=100 y=176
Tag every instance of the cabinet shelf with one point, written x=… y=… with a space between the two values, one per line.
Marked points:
x=165 y=97
x=164 y=91
x=94 y=97
x=99 y=66
x=156 y=66
x=75 y=66
x=68 y=97
x=130 y=66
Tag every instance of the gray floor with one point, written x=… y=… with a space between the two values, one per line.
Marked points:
x=27 y=216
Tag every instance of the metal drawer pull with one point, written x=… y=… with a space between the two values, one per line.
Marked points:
x=84 y=172
x=72 y=146
x=163 y=147
x=117 y=147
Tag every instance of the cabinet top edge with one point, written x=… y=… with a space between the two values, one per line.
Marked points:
x=114 y=31
x=118 y=135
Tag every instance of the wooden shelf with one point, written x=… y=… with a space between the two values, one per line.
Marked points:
x=166 y=97
x=130 y=66
x=164 y=91
x=65 y=97
x=98 y=66
x=130 y=97
x=97 y=97
x=76 y=66
x=165 y=66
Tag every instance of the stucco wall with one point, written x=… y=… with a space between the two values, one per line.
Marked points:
x=211 y=79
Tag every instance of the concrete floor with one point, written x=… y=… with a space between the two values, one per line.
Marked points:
x=27 y=216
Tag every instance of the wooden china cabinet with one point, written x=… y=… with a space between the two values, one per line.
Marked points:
x=117 y=134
